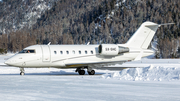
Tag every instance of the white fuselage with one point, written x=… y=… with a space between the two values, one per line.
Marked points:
x=70 y=56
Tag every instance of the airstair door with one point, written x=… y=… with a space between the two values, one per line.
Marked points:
x=46 y=56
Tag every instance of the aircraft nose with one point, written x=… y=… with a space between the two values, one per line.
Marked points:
x=7 y=62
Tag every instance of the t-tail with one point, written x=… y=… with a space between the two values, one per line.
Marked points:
x=143 y=36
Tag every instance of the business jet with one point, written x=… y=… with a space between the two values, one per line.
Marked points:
x=88 y=56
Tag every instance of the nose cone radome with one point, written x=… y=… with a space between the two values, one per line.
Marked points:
x=13 y=62
x=8 y=62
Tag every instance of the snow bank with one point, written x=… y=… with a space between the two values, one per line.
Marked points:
x=151 y=73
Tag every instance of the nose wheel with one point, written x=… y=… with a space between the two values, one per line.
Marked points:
x=22 y=71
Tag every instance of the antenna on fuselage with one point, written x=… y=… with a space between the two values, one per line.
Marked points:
x=88 y=43
x=101 y=41
x=49 y=43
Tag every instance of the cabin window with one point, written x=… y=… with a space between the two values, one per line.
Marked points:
x=85 y=52
x=27 y=51
x=61 y=52
x=55 y=52
x=79 y=52
x=73 y=52
x=91 y=52
x=67 y=52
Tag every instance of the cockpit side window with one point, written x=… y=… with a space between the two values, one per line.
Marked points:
x=27 y=51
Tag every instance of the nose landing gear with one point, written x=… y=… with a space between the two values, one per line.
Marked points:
x=22 y=71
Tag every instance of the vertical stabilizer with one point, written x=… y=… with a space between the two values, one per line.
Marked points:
x=143 y=36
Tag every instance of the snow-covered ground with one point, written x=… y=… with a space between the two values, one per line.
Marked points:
x=157 y=80
x=84 y=88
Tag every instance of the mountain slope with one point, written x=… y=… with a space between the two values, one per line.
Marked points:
x=94 y=21
x=16 y=14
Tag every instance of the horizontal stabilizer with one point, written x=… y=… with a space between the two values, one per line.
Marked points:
x=167 y=24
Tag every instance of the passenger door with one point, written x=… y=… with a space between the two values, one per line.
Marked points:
x=46 y=56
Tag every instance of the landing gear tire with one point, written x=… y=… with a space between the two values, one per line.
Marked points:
x=21 y=73
x=81 y=72
x=92 y=72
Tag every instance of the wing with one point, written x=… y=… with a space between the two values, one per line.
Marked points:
x=96 y=64
x=101 y=65
x=112 y=68
x=117 y=67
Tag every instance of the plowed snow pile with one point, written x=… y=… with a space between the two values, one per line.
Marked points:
x=151 y=73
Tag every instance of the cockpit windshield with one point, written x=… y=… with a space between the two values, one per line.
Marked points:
x=27 y=51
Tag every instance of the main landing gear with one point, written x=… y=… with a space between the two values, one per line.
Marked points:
x=22 y=71
x=92 y=72
x=81 y=71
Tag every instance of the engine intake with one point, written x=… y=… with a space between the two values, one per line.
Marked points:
x=111 y=49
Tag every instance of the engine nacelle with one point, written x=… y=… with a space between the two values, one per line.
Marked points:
x=111 y=49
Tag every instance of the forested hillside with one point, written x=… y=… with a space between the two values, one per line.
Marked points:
x=94 y=21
